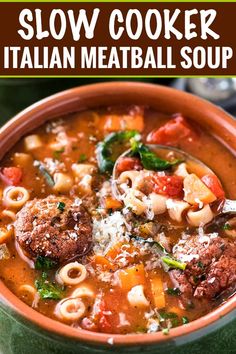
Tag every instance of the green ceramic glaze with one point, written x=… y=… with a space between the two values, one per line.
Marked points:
x=21 y=337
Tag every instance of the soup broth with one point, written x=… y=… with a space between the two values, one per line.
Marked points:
x=123 y=252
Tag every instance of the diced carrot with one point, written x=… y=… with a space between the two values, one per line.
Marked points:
x=114 y=251
x=5 y=234
x=122 y=250
x=124 y=122
x=158 y=292
x=112 y=203
x=134 y=122
x=196 y=191
x=103 y=262
x=132 y=276
x=213 y=183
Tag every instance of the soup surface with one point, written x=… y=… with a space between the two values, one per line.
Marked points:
x=101 y=230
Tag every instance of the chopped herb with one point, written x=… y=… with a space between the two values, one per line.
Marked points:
x=173 y=291
x=171 y=319
x=44 y=263
x=200 y=264
x=166 y=257
x=149 y=159
x=168 y=315
x=195 y=279
x=173 y=263
x=61 y=206
x=185 y=320
x=165 y=331
x=175 y=322
x=48 y=290
x=82 y=158
x=57 y=153
x=45 y=173
x=190 y=305
x=227 y=226
x=141 y=330
x=105 y=148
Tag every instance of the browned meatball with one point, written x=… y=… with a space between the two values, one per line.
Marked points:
x=54 y=227
x=211 y=268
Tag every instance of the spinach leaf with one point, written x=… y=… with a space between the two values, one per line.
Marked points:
x=170 y=318
x=168 y=315
x=149 y=159
x=105 y=148
x=185 y=320
x=44 y=263
x=173 y=291
x=200 y=264
x=48 y=290
x=227 y=226
x=48 y=178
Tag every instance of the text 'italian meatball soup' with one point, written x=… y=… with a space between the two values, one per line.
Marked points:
x=105 y=226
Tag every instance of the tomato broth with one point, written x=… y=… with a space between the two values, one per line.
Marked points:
x=138 y=261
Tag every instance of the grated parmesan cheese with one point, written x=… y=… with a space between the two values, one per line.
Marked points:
x=122 y=320
x=109 y=231
x=110 y=341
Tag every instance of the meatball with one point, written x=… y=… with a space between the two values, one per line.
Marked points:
x=54 y=227
x=211 y=266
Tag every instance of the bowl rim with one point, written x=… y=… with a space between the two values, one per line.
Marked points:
x=95 y=338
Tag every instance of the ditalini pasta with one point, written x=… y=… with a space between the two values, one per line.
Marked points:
x=15 y=197
x=64 y=277
x=200 y=217
x=102 y=231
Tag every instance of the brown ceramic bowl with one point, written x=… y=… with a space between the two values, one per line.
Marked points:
x=165 y=100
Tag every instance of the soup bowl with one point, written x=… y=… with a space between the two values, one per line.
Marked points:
x=24 y=330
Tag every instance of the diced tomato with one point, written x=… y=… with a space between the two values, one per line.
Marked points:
x=104 y=324
x=11 y=175
x=171 y=186
x=128 y=163
x=171 y=133
x=213 y=183
x=104 y=319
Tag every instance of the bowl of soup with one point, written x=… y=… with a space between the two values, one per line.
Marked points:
x=108 y=236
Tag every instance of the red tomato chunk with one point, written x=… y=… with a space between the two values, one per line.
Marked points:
x=213 y=183
x=11 y=175
x=171 y=186
x=104 y=319
x=128 y=163
x=171 y=133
